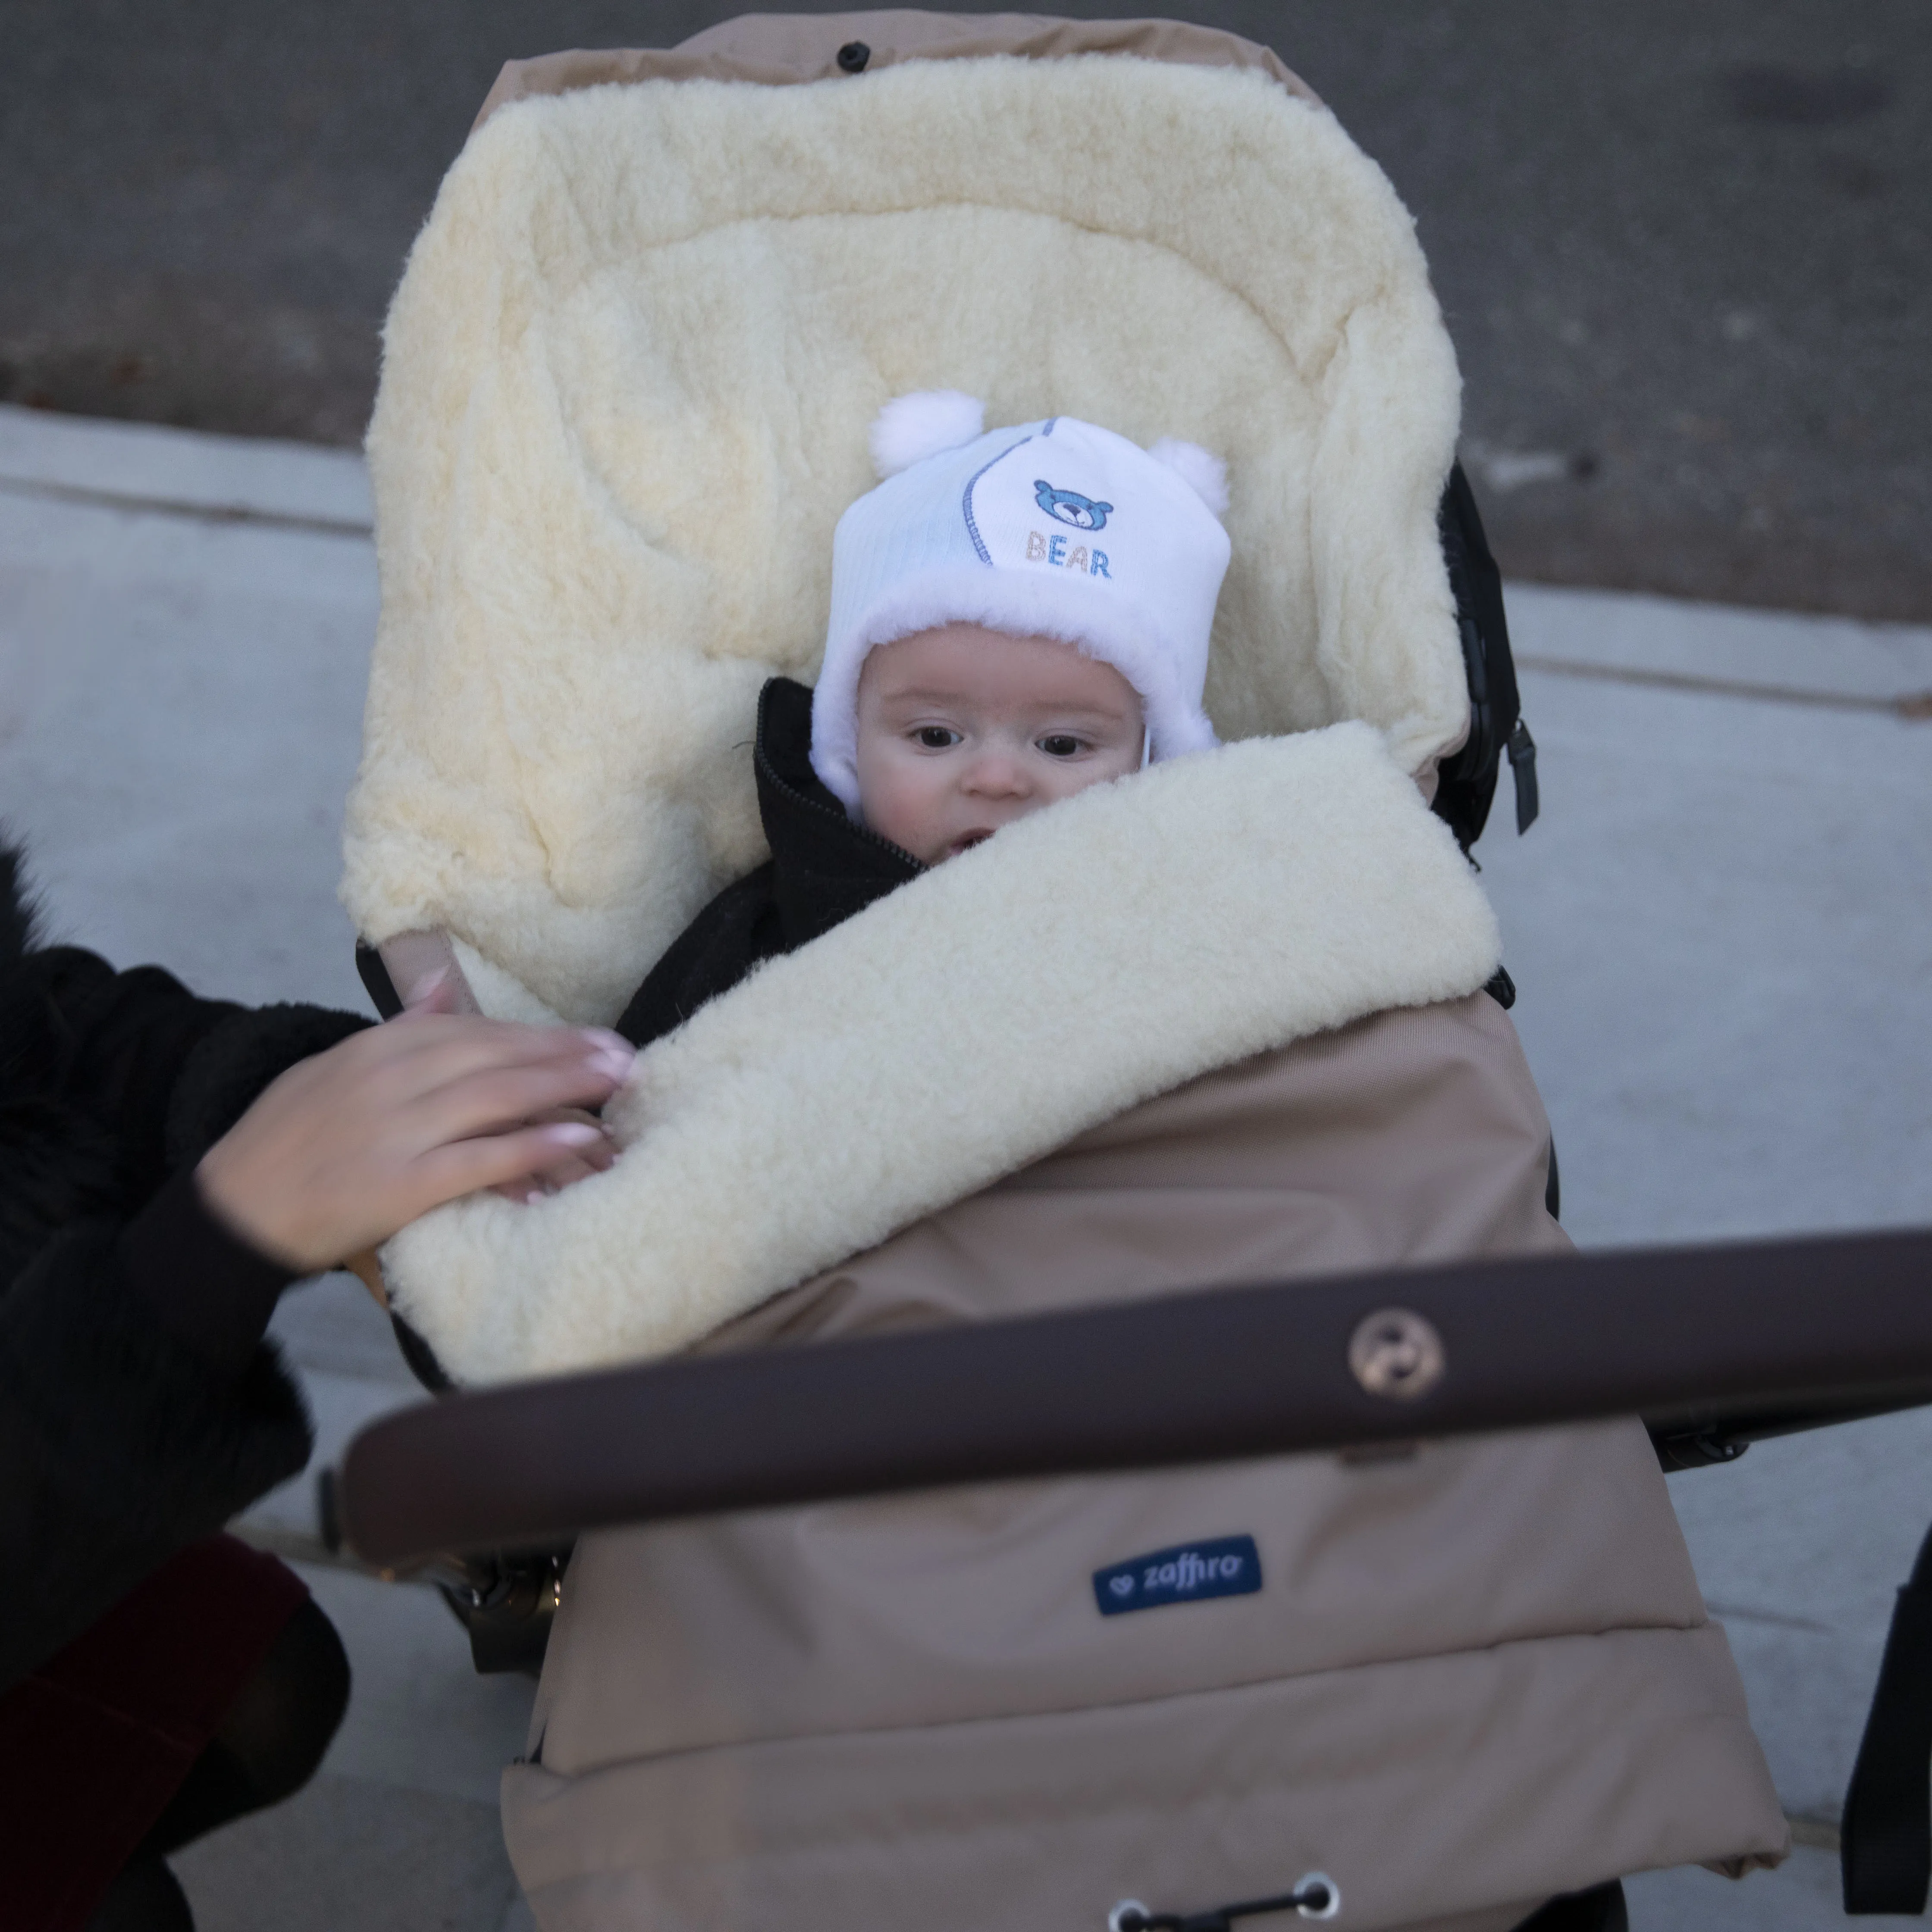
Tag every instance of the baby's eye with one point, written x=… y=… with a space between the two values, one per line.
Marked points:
x=1060 y=744
x=937 y=737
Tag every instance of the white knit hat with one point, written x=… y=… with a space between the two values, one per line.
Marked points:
x=1057 y=529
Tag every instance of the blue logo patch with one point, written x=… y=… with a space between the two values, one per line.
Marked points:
x=1070 y=507
x=1230 y=1566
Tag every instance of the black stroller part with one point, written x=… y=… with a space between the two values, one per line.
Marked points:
x=1711 y=1439
x=1316 y=1896
x=1466 y=781
x=417 y=1353
x=1885 y=1840
x=1717 y=1340
x=1501 y=988
x=506 y=1602
x=1601 y=1909
x=376 y=982
x=420 y=1358
x=1521 y=749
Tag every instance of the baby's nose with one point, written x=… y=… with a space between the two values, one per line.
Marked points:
x=996 y=772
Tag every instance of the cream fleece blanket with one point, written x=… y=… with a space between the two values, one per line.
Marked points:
x=1084 y=960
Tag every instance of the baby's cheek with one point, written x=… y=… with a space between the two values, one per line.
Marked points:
x=896 y=800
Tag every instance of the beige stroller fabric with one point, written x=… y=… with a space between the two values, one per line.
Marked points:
x=1216 y=1021
x=789 y=49
x=1475 y=1676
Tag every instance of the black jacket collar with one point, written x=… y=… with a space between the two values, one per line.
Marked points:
x=824 y=868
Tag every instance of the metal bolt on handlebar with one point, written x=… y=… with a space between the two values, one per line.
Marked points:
x=1396 y=1353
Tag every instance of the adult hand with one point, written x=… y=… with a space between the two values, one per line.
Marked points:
x=596 y=1157
x=346 y=1148
x=445 y=990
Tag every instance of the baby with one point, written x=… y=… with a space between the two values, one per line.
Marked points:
x=1014 y=572
x=1016 y=614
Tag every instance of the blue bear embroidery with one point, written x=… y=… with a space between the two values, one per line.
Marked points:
x=1070 y=507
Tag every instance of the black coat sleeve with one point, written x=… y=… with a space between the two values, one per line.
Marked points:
x=140 y=1406
x=119 y=1442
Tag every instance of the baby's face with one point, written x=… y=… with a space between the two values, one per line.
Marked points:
x=964 y=729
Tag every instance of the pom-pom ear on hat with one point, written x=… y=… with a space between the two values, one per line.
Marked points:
x=1201 y=469
x=910 y=428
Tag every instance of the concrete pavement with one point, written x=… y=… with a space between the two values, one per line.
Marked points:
x=1719 y=929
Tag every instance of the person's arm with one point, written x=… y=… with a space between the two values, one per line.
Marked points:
x=119 y=1442
x=138 y=1409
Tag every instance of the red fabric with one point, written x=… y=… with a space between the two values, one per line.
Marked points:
x=97 y=1741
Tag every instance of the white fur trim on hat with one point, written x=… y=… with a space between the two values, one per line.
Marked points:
x=1201 y=469
x=1024 y=606
x=909 y=428
x=1058 y=528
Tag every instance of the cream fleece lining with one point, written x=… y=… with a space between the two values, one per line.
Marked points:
x=1086 y=959
x=627 y=384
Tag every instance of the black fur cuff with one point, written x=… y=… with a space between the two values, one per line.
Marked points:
x=228 y=1069
x=211 y=1290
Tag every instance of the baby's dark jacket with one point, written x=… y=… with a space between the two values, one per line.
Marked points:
x=823 y=869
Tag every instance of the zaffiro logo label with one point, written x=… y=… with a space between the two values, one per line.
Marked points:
x=1192 y=1573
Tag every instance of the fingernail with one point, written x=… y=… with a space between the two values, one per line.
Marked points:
x=574 y=1133
x=603 y=1036
x=614 y=1063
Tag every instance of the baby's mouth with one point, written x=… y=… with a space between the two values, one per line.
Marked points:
x=966 y=841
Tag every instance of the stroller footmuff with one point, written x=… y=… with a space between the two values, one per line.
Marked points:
x=1224 y=1020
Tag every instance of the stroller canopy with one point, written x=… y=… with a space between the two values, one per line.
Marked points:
x=627 y=384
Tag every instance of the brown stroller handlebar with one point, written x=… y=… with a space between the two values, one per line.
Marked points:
x=1715 y=1343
